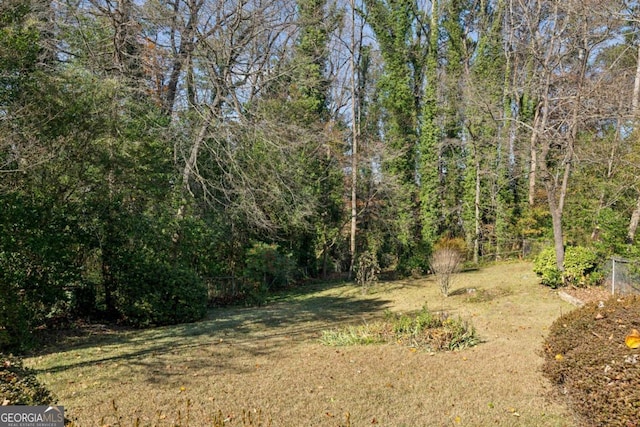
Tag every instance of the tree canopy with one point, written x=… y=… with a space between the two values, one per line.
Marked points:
x=157 y=156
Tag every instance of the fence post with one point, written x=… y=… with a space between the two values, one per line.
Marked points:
x=613 y=275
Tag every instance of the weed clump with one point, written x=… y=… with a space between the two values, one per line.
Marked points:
x=423 y=330
x=587 y=360
x=19 y=385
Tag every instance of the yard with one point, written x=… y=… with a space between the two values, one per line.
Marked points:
x=268 y=363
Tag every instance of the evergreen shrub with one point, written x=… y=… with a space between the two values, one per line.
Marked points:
x=415 y=261
x=159 y=294
x=19 y=385
x=580 y=267
x=37 y=261
x=266 y=268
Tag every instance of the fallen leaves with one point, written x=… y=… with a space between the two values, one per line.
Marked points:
x=633 y=339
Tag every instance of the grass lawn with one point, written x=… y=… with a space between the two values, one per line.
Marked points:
x=269 y=361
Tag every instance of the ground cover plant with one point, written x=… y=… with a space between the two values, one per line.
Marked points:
x=423 y=330
x=592 y=366
x=269 y=361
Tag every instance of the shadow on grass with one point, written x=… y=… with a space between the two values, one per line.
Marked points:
x=297 y=315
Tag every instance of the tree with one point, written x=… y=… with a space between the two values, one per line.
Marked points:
x=401 y=35
x=488 y=181
x=430 y=149
x=565 y=36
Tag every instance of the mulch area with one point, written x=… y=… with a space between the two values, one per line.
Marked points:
x=590 y=294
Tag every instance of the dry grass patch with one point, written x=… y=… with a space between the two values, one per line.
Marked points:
x=269 y=360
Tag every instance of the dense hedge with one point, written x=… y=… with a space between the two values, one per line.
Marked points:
x=19 y=385
x=587 y=360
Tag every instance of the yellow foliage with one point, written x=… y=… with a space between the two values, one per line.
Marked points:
x=633 y=339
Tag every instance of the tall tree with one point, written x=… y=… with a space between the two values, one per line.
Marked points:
x=565 y=37
x=430 y=150
x=487 y=146
x=402 y=40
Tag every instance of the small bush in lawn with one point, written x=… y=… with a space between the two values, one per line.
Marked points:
x=587 y=360
x=368 y=333
x=580 y=267
x=19 y=385
x=424 y=330
x=446 y=261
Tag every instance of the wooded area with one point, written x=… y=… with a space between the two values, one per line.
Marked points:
x=151 y=148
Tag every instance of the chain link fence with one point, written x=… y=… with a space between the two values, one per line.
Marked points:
x=512 y=249
x=623 y=276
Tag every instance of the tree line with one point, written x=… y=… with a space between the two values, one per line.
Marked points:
x=149 y=148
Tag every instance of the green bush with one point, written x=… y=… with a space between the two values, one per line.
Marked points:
x=82 y=298
x=591 y=367
x=266 y=268
x=19 y=385
x=544 y=265
x=580 y=267
x=37 y=261
x=414 y=262
x=15 y=327
x=158 y=294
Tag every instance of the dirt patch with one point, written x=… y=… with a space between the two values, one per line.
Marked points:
x=588 y=294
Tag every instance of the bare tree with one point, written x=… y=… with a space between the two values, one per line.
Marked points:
x=635 y=216
x=445 y=262
x=562 y=38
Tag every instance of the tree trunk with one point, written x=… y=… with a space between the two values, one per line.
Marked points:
x=477 y=219
x=354 y=143
x=558 y=236
x=635 y=216
x=633 y=223
x=533 y=161
x=182 y=58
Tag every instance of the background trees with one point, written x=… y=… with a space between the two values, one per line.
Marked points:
x=151 y=150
